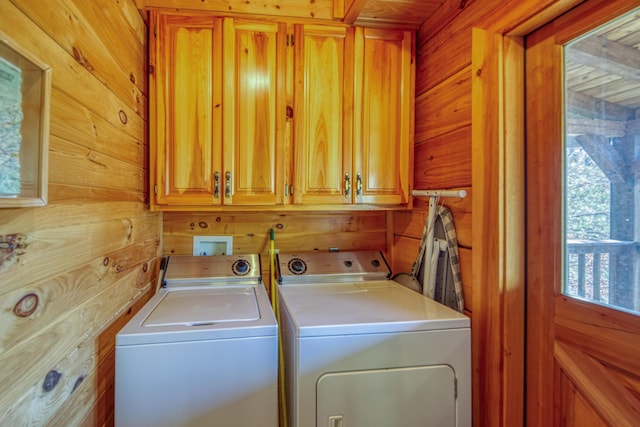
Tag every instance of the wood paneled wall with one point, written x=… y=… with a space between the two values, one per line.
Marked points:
x=80 y=262
x=294 y=232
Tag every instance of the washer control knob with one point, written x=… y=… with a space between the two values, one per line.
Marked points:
x=297 y=266
x=241 y=267
x=375 y=263
x=348 y=263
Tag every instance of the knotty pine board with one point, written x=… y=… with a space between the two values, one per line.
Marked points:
x=294 y=232
x=87 y=256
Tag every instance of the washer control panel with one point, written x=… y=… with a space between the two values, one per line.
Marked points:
x=212 y=270
x=331 y=267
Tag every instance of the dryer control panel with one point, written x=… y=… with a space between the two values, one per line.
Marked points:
x=332 y=267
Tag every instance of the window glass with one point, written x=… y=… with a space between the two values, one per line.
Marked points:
x=602 y=167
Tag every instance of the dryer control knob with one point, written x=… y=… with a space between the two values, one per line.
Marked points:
x=297 y=266
x=241 y=267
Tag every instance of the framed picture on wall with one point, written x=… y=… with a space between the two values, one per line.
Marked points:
x=25 y=90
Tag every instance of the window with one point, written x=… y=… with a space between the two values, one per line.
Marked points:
x=602 y=164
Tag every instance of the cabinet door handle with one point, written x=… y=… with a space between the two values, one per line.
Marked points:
x=347 y=185
x=216 y=184
x=227 y=184
x=358 y=184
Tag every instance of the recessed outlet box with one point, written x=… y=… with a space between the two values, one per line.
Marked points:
x=212 y=245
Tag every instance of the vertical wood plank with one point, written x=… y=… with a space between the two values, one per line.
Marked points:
x=498 y=294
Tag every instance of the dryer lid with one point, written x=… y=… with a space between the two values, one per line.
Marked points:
x=364 y=308
x=204 y=306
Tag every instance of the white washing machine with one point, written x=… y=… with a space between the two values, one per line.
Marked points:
x=201 y=352
x=364 y=351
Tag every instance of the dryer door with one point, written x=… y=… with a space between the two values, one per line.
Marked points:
x=401 y=397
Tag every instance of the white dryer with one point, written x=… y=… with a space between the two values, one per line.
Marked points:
x=201 y=352
x=364 y=351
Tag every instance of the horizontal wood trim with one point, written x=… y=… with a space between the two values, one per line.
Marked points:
x=444 y=108
x=303 y=208
x=317 y=9
x=444 y=161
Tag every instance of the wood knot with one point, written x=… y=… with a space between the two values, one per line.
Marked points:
x=77 y=383
x=81 y=59
x=105 y=261
x=51 y=380
x=123 y=117
x=144 y=267
x=27 y=305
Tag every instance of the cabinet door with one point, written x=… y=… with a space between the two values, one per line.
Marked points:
x=323 y=126
x=384 y=94
x=186 y=109
x=254 y=112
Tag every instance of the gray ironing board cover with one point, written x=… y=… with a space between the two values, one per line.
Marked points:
x=447 y=228
x=445 y=218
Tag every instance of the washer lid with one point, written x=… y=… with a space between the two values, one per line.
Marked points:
x=201 y=313
x=198 y=307
x=364 y=308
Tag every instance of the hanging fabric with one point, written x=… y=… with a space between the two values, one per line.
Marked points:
x=436 y=270
x=445 y=280
x=412 y=279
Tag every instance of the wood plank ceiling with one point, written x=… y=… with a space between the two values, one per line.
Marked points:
x=397 y=13
x=400 y=14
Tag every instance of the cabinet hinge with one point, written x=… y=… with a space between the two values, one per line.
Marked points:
x=289 y=39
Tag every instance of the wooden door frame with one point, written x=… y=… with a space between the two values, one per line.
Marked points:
x=498 y=236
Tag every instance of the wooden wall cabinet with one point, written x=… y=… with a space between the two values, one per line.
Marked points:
x=353 y=99
x=323 y=118
x=185 y=129
x=254 y=112
x=216 y=107
x=239 y=119
x=383 y=116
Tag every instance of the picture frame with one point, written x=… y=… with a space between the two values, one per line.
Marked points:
x=25 y=93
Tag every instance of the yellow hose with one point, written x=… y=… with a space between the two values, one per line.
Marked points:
x=274 y=304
